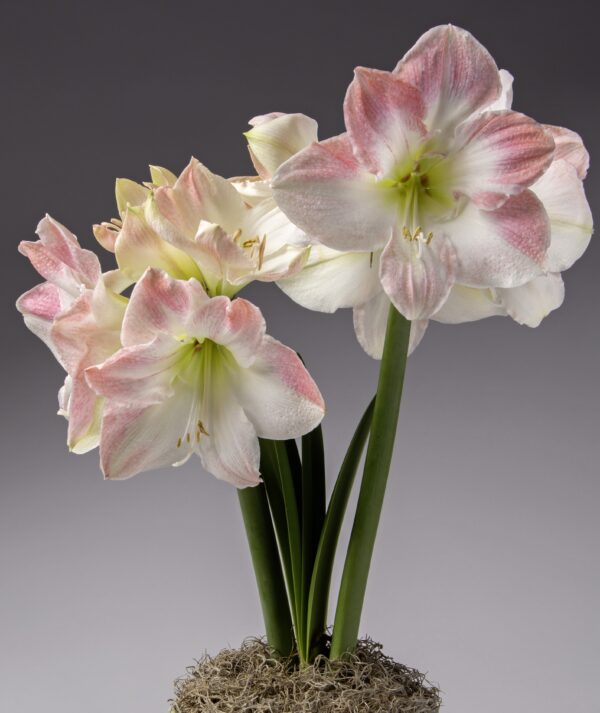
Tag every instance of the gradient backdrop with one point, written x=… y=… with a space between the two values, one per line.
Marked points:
x=486 y=571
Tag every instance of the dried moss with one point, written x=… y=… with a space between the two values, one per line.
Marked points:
x=250 y=680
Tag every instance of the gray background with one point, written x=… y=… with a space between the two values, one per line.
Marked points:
x=486 y=571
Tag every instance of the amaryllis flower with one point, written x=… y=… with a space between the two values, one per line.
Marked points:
x=198 y=375
x=330 y=279
x=77 y=312
x=199 y=225
x=431 y=180
x=561 y=192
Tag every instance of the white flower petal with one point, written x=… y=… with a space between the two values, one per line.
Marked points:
x=370 y=324
x=333 y=279
x=468 y=304
x=530 y=303
x=276 y=137
x=571 y=223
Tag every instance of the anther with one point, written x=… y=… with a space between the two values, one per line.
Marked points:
x=261 y=251
x=179 y=443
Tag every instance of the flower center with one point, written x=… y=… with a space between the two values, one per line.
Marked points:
x=199 y=369
x=419 y=193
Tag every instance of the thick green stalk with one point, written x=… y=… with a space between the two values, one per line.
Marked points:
x=267 y=567
x=372 y=490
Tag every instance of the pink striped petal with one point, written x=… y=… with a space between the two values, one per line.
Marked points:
x=569 y=146
x=383 y=116
x=135 y=439
x=59 y=259
x=278 y=394
x=235 y=324
x=455 y=74
x=498 y=154
x=39 y=307
x=160 y=304
x=501 y=248
x=326 y=193
x=571 y=222
x=417 y=277
x=83 y=338
x=200 y=195
x=42 y=301
x=140 y=375
x=370 y=324
x=530 y=303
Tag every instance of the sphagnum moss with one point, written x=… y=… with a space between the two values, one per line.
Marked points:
x=250 y=680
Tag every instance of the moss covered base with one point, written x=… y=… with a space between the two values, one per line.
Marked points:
x=250 y=680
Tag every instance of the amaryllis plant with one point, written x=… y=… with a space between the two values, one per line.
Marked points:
x=438 y=202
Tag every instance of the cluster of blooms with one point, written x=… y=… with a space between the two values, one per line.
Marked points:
x=438 y=199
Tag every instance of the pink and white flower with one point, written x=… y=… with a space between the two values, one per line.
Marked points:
x=431 y=181
x=198 y=375
x=561 y=192
x=77 y=312
x=203 y=226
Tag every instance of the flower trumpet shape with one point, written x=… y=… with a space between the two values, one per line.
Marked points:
x=77 y=312
x=431 y=181
x=198 y=375
x=203 y=226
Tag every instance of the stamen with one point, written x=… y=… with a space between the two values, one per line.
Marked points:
x=250 y=242
x=261 y=251
x=118 y=223
x=202 y=429
x=179 y=442
x=371 y=260
x=236 y=236
x=187 y=437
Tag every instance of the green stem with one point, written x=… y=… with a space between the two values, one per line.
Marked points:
x=267 y=567
x=372 y=490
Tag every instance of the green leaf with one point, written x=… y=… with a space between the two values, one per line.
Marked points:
x=287 y=512
x=372 y=490
x=270 y=474
x=321 y=577
x=313 y=509
x=267 y=568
